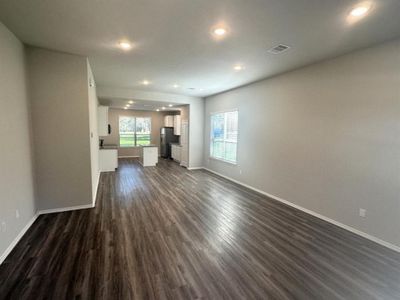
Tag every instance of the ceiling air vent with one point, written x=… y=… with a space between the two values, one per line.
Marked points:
x=278 y=49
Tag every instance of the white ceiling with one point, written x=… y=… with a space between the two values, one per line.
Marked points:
x=173 y=42
x=140 y=104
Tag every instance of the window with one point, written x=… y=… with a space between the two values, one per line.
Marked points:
x=134 y=131
x=224 y=136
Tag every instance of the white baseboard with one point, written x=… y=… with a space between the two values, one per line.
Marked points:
x=97 y=187
x=40 y=212
x=133 y=156
x=310 y=212
x=346 y=227
x=62 y=209
x=18 y=237
x=196 y=168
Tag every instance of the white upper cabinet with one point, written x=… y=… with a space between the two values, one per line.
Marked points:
x=173 y=121
x=169 y=121
x=102 y=118
x=177 y=125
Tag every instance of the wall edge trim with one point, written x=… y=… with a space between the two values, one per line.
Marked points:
x=18 y=237
x=196 y=168
x=63 y=209
x=315 y=214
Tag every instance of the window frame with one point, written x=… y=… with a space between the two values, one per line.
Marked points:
x=210 y=156
x=135 y=132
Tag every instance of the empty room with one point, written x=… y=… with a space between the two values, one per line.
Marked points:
x=189 y=149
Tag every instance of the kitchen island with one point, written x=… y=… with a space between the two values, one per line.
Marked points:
x=148 y=155
x=108 y=158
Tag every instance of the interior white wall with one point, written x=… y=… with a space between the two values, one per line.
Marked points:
x=94 y=134
x=196 y=132
x=16 y=167
x=196 y=114
x=325 y=137
x=58 y=91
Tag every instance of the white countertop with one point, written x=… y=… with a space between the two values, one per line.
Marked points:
x=109 y=147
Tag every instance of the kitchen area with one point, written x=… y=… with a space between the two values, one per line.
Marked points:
x=143 y=131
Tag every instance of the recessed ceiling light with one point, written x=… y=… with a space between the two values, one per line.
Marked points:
x=131 y=102
x=157 y=109
x=125 y=108
x=175 y=86
x=360 y=11
x=163 y=107
x=170 y=105
x=220 y=31
x=145 y=82
x=125 y=45
x=238 y=67
x=127 y=105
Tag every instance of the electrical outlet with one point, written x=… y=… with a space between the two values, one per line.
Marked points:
x=17 y=213
x=363 y=212
x=3 y=227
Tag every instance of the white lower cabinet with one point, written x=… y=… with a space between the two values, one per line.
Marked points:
x=148 y=156
x=108 y=160
x=176 y=152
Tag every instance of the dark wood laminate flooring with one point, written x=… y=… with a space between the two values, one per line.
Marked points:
x=169 y=233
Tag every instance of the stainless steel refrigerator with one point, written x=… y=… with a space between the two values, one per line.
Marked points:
x=167 y=137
